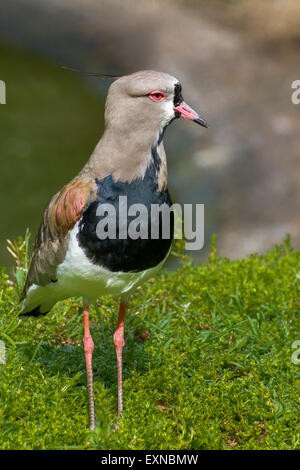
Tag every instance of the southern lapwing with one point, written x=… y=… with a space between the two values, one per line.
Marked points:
x=69 y=257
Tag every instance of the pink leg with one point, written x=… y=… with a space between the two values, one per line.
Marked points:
x=88 y=351
x=119 y=344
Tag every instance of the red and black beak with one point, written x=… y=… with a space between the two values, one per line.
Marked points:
x=185 y=111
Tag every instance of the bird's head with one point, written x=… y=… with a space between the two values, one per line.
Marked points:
x=147 y=99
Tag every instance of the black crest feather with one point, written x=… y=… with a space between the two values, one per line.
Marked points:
x=108 y=76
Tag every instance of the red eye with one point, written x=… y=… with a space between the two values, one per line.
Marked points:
x=157 y=96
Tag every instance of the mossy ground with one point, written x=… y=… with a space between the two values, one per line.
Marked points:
x=207 y=363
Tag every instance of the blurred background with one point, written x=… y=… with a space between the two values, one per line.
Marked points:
x=236 y=61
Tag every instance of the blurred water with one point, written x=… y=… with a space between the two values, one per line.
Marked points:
x=49 y=126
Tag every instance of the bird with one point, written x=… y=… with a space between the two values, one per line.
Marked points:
x=69 y=258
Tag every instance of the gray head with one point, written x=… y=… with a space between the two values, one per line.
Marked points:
x=138 y=109
x=146 y=98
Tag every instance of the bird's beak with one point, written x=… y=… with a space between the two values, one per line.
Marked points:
x=187 y=112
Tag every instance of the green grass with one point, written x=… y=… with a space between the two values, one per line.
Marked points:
x=207 y=362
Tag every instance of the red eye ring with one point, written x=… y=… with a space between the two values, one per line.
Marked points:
x=157 y=96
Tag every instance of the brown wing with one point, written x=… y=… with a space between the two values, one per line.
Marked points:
x=61 y=214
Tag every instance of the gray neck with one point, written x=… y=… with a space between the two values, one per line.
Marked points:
x=126 y=156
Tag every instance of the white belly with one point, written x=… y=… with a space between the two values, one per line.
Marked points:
x=78 y=276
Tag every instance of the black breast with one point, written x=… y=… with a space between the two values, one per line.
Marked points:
x=127 y=254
